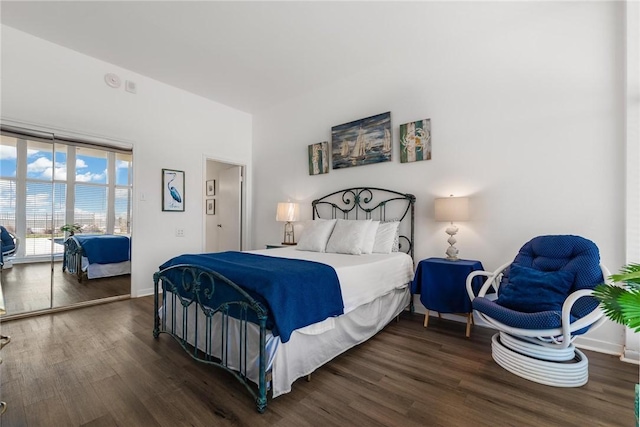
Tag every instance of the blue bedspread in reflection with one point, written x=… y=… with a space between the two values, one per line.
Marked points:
x=104 y=248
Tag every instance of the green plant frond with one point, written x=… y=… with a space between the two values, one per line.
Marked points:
x=630 y=307
x=622 y=303
x=609 y=297
x=634 y=324
x=629 y=274
x=630 y=268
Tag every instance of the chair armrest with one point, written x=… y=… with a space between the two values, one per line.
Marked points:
x=588 y=320
x=491 y=281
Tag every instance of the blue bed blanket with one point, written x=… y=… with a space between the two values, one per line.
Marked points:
x=104 y=248
x=296 y=293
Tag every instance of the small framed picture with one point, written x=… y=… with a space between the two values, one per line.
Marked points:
x=211 y=187
x=319 y=158
x=211 y=206
x=172 y=190
x=415 y=141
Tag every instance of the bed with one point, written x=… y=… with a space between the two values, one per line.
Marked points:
x=221 y=318
x=93 y=256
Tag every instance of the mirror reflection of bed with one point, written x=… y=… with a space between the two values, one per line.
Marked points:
x=89 y=193
x=33 y=283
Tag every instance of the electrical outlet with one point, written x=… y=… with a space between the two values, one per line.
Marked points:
x=179 y=232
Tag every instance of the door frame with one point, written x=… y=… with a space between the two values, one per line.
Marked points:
x=245 y=198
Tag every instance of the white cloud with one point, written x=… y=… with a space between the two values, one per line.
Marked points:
x=31 y=152
x=121 y=164
x=61 y=173
x=88 y=177
x=40 y=165
x=8 y=153
x=43 y=168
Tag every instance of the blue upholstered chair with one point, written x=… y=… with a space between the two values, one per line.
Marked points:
x=543 y=303
x=9 y=247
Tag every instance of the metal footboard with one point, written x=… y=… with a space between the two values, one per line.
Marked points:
x=208 y=292
x=72 y=258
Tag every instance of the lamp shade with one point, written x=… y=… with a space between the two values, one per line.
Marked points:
x=452 y=209
x=287 y=211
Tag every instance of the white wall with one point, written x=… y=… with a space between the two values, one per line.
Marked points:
x=632 y=344
x=527 y=113
x=46 y=84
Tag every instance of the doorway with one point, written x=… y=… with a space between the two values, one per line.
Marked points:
x=225 y=203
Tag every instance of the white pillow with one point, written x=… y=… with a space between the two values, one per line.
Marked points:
x=370 y=237
x=347 y=237
x=386 y=237
x=315 y=235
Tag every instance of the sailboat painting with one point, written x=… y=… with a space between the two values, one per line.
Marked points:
x=415 y=141
x=361 y=142
x=319 y=158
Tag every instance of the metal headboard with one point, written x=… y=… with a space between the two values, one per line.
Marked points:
x=371 y=203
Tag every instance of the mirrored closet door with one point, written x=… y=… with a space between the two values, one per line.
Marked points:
x=67 y=206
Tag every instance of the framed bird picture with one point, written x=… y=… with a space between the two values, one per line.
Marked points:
x=172 y=190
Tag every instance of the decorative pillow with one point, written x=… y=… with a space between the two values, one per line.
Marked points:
x=347 y=237
x=370 y=237
x=315 y=235
x=6 y=239
x=531 y=291
x=386 y=236
x=396 y=240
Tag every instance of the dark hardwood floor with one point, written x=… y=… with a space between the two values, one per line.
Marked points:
x=27 y=287
x=100 y=366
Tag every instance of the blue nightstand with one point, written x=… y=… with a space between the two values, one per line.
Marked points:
x=442 y=287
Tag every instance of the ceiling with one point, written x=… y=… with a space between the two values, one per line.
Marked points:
x=247 y=55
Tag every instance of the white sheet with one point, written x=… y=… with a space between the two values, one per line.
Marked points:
x=313 y=346
x=105 y=270
x=303 y=353
x=363 y=278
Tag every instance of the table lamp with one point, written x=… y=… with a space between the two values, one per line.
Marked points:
x=452 y=209
x=288 y=212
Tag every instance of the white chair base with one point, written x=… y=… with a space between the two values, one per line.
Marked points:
x=550 y=366
x=7 y=264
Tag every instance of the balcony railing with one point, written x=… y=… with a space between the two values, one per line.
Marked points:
x=43 y=235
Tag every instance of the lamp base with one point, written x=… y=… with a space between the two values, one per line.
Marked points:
x=288 y=243
x=452 y=251
x=289 y=236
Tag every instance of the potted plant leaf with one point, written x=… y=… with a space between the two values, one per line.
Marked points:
x=71 y=228
x=622 y=303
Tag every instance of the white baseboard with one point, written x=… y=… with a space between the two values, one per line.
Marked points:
x=143 y=292
x=599 y=346
x=630 y=356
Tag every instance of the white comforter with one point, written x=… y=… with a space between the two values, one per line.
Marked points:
x=363 y=278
